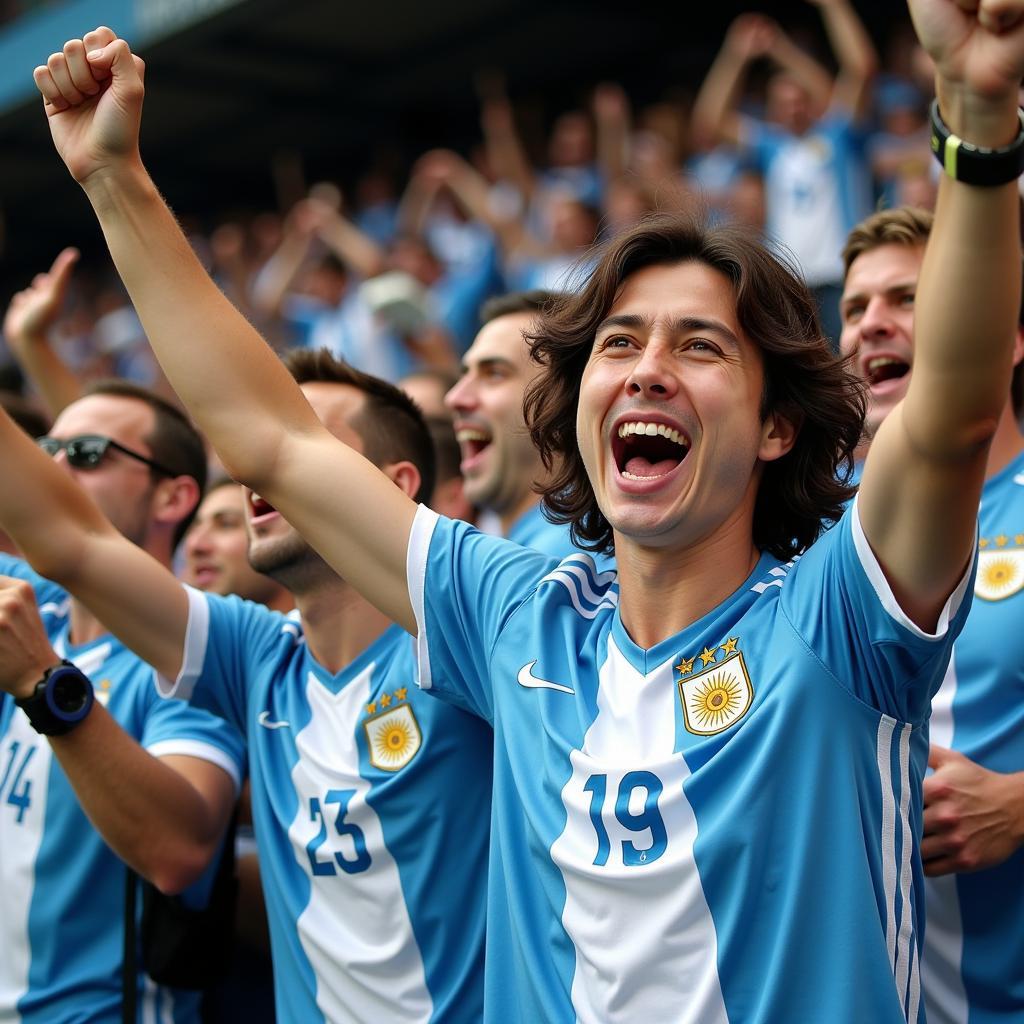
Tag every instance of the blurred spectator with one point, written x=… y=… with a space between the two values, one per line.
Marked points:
x=810 y=147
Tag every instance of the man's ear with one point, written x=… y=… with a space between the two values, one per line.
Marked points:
x=404 y=475
x=175 y=499
x=1018 y=346
x=778 y=435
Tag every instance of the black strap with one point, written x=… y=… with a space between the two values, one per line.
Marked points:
x=129 y=967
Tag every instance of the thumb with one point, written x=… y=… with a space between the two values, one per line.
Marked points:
x=116 y=61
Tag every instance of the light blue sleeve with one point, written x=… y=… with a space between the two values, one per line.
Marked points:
x=839 y=602
x=173 y=727
x=464 y=585
x=226 y=642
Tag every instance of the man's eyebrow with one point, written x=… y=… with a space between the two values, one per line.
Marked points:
x=683 y=325
x=632 y=320
x=891 y=289
x=490 y=363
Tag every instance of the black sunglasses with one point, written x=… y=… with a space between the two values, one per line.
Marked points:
x=87 y=451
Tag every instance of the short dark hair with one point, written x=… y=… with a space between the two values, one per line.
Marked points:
x=910 y=225
x=390 y=423
x=174 y=441
x=534 y=301
x=803 y=381
x=447 y=453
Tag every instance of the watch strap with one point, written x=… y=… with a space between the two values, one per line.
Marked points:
x=44 y=712
x=976 y=165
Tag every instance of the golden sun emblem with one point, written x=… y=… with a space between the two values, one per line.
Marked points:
x=392 y=744
x=716 y=699
x=999 y=574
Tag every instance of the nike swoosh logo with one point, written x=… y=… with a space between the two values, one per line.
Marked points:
x=265 y=721
x=528 y=679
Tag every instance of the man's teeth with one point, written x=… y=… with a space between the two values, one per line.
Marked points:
x=652 y=430
x=634 y=476
x=468 y=434
x=879 y=361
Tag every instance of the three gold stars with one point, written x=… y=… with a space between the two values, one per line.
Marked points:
x=385 y=699
x=707 y=656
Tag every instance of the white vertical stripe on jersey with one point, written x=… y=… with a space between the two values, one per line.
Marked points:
x=654 y=938
x=355 y=930
x=886 y=727
x=416 y=576
x=944 y=996
x=906 y=951
x=19 y=847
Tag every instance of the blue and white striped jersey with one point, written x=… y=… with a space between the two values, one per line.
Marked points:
x=62 y=925
x=371 y=804
x=720 y=828
x=973 y=961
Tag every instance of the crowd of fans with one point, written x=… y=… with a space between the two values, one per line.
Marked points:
x=437 y=287
x=392 y=277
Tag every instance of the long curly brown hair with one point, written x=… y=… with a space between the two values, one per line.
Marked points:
x=805 y=382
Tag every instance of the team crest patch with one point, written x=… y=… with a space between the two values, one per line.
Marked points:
x=393 y=735
x=719 y=693
x=1000 y=567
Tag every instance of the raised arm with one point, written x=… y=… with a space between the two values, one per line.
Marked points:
x=248 y=405
x=67 y=539
x=505 y=151
x=163 y=816
x=27 y=324
x=923 y=477
x=715 y=113
x=858 y=61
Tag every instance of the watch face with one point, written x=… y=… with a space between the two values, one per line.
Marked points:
x=68 y=693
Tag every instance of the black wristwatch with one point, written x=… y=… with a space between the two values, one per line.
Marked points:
x=976 y=165
x=60 y=701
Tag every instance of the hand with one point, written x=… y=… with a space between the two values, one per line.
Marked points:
x=309 y=216
x=977 y=45
x=751 y=36
x=610 y=103
x=437 y=167
x=25 y=652
x=973 y=817
x=92 y=94
x=32 y=312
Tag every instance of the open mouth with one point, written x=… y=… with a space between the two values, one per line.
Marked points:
x=258 y=507
x=646 y=451
x=472 y=442
x=884 y=368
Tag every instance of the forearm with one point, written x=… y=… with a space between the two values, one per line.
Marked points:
x=354 y=248
x=968 y=298
x=213 y=357
x=858 y=61
x=57 y=385
x=45 y=512
x=804 y=68
x=849 y=40
x=151 y=816
x=714 y=112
